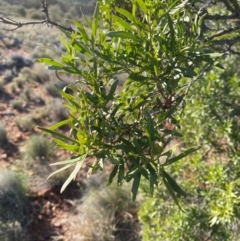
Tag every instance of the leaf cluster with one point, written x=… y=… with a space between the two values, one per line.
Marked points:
x=125 y=126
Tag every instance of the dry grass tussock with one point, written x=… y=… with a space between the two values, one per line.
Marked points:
x=105 y=213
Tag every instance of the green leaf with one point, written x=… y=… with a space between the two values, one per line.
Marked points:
x=59 y=124
x=120 y=22
x=172 y=193
x=153 y=178
x=112 y=174
x=135 y=185
x=129 y=16
x=82 y=31
x=66 y=146
x=60 y=170
x=172 y=10
x=136 y=77
x=217 y=64
x=150 y=126
x=172 y=33
x=112 y=90
x=175 y=187
x=57 y=134
x=123 y=35
x=71 y=160
x=182 y=155
x=73 y=174
x=50 y=62
x=95 y=20
x=187 y=72
x=120 y=173
x=142 y=6
x=64 y=42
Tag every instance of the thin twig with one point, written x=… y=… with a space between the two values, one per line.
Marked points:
x=236 y=6
x=47 y=21
x=222 y=17
x=222 y=32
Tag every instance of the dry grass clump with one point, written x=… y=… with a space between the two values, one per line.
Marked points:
x=25 y=123
x=14 y=208
x=17 y=104
x=104 y=214
x=39 y=147
x=54 y=111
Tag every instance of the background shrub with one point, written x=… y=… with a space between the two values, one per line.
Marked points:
x=14 y=208
x=39 y=146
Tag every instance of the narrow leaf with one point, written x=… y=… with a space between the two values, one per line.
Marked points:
x=123 y=35
x=72 y=175
x=60 y=170
x=112 y=175
x=150 y=126
x=71 y=160
x=64 y=42
x=120 y=22
x=172 y=193
x=64 y=145
x=54 y=133
x=112 y=91
x=59 y=124
x=50 y=62
x=182 y=155
x=95 y=20
x=135 y=185
x=82 y=30
x=174 y=184
x=142 y=5
x=129 y=16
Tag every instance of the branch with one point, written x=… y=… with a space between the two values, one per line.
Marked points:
x=236 y=6
x=221 y=17
x=47 y=21
x=229 y=42
x=221 y=33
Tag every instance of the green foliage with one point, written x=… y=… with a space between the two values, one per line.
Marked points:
x=212 y=175
x=126 y=127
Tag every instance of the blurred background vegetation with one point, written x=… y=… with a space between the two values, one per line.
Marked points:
x=59 y=10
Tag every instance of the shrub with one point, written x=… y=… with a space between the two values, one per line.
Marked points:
x=34 y=14
x=52 y=89
x=24 y=123
x=38 y=147
x=109 y=216
x=8 y=76
x=211 y=176
x=17 y=103
x=20 y=81
x=18 y=62
x=55 y=111
x=37 y=99
x=14 y=208
x=126 y=126
x=21 y=11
